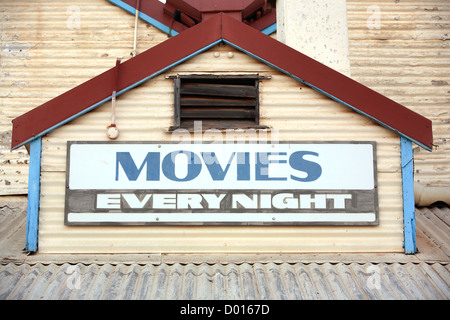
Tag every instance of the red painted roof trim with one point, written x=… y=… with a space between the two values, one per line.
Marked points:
x=330 y=82
x=75 y=101
x=156 y=10
x=81 y=99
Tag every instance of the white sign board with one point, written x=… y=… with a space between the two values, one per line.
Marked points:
x=226 y=183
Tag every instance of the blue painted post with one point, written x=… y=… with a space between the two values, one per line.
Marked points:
x=34 y=177
x=409 y=219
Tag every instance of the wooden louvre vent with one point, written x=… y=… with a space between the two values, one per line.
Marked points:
x=218 y=101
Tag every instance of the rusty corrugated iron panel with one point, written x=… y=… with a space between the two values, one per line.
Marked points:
x=401 y=49
x=98 y=90
x=329 y=82
x=257 y=281
x=48 y=49
x=406 y=59
x=434 y=222
x=13 y=167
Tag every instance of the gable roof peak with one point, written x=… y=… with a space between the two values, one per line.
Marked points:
x=217 y=29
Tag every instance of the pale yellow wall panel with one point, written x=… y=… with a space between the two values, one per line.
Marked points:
x=211 y=239
x=42 y=58
x=54 y=237
x=45 y=52
x=221 y=58
x=408 y=60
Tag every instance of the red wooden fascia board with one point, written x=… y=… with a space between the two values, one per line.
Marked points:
x=330 y=82
x=81 y=98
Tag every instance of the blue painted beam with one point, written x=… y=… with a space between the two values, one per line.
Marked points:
x=409 y=218
x=34 y=177
x=131 y=10
x=270 y=29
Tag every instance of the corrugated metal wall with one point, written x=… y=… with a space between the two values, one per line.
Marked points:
x=298 y=112
x=45 y=52
x=48 y=47
x=408 y=60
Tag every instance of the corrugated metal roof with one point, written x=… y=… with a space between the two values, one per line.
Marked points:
x=425 y=275
x=258 y=281
x=433 y=241
x=434 y=222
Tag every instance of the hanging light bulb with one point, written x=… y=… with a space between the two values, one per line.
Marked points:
x=112 y=132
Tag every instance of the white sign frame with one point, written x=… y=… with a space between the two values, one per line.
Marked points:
x=99 y=190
